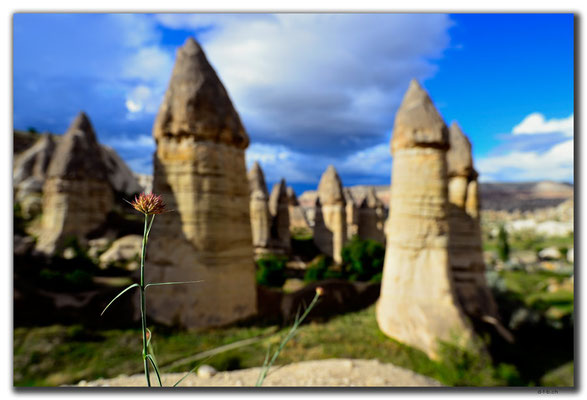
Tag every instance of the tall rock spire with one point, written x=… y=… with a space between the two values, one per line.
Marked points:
x=259 y=208
x=200 y=172
x=418 y=304
x=331 y=236
x=279 y=209
x=466 y=253
x=372 y=218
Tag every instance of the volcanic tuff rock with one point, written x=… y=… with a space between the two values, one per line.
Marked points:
x=297 y=217
x=259 y=207
x=200 y=171
x=371 y=218
x=77 y=194
x=418 y=304
x=466 y=253
x=29 y=173
x=279 y=209
x=331 y=235
x=119 y=174
x=352 y=214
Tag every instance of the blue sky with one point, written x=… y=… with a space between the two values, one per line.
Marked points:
x=313 y=89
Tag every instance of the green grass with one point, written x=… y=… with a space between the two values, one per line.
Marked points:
x=56 y=355
x=521 y=241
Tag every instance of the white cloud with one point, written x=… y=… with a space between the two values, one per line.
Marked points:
x=322 y=83
x=554 y=164
x=374 y=161
x=142 y=98
x=535 y=123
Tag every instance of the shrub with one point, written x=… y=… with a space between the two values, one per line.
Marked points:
x=318 y=269
x=363 y=259
x=271 y=271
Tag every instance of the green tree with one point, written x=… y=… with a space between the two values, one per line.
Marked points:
x=503 y=247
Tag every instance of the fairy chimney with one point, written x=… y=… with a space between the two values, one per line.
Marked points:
x=332 y=235
x=279 y=209
x=259 y=207
x=371 y=218
x=76 y=194
x=466 y=253
x=352 y=214
x=199 y=169
x=297 y=217
x=418 y=303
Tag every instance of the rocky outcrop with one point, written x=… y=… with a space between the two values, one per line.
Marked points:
x=119 y=174
x=279 y=209
x=330 y=236
x=371 y=218
x=31 y=167
x=352 y=214
x=29 y=174
x=259 y=208
x=76 y=194
x=466 y=253
x=199 y=169
x=418 y=304
x=297 y=217
x=123 y=252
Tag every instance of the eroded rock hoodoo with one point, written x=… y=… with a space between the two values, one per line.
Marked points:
x=77 y=195
x=199 y=169
x=331 y=235
x=418 y=304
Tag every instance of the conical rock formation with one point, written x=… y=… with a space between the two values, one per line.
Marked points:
x=331 y=236
x=352 y=214
x=466 y=254
x=297 y=217
x=259 y=208
x=77 y=195
x=418 y=303
x=372 y=218
x=279 y=209
x=199 y=169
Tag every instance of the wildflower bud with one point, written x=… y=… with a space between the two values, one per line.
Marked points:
x=319 y=291
x=149 y=204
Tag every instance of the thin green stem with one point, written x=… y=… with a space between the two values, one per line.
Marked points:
x=143 y=302
x=290 y=334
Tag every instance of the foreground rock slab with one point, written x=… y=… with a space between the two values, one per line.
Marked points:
x=325 y=373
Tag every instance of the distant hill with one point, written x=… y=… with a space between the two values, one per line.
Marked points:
x=506 y=196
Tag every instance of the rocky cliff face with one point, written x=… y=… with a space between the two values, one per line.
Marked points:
x=331 y=236
x=76 y=193
x=418 y=303
x=199 y=169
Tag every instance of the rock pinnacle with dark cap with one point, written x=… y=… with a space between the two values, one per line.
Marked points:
x=458 y=157
x=418 y=122
x=196 y=103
